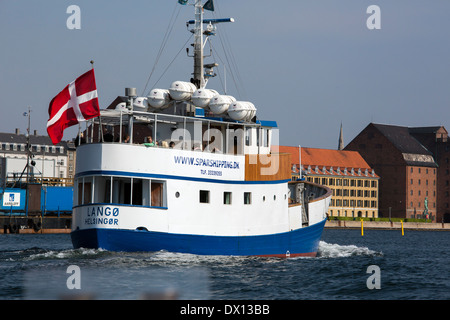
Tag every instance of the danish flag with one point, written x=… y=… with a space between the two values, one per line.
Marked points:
x=77 y=102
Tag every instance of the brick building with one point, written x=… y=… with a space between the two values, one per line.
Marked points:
x=407 y=170
x=435 y=139
x=353 y=182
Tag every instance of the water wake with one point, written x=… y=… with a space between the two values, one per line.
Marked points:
x=330 y=250
x=63 y=254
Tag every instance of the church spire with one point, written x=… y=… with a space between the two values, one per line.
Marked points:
x=341 y=140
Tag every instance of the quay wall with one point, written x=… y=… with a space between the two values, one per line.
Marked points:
x=35 y=224
x=386 y=225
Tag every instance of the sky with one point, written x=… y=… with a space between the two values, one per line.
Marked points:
x=309 y=65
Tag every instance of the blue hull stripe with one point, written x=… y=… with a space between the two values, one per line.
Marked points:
x=166 y=176
x=304 y=241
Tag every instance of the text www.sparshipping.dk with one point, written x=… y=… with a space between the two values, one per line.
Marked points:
x=206 y=162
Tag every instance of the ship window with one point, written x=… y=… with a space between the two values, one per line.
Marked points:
x=121 y=190
x=85 y=190
x=157 y=194
x=247 y=197
x=227 y=197
x=102 y=192
x=204 y=196
x=137 y=192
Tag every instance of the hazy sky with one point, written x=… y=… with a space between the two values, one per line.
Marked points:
x=307 y=64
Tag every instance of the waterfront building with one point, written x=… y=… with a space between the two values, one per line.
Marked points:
x=435 y=139
x=353 y=182
x=48 y=164
x=407 y=170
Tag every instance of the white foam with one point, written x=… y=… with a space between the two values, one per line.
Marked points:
x=330 y=250
x=64 y=254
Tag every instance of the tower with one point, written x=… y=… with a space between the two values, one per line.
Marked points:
x=341 y=140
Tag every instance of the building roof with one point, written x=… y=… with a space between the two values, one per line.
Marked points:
x=414 y=152
x=35 y=139
x=402 y=139
x=337 y=162
x=434 y=129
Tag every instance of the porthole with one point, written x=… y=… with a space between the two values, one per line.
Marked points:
x=177 y=194
x=274 y=197
x=264 y=198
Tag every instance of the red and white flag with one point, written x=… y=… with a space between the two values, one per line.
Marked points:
x=77 y=102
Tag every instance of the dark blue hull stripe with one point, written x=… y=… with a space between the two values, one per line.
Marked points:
x=166 y=176
x=304 y=241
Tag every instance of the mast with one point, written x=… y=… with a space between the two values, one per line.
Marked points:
x=202 y=72
x=199 y=79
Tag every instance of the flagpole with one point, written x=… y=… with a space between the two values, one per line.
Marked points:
x=99 y=116
x=300 y=161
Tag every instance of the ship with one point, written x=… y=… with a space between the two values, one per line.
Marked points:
x=189 y=170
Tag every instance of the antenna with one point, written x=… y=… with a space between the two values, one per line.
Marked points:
x=199 y=74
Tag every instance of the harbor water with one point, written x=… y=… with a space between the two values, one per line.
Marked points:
x=413 y=266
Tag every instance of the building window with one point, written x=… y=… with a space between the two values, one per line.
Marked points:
x=227 y=197
x=247 y=197
x=204 y=196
